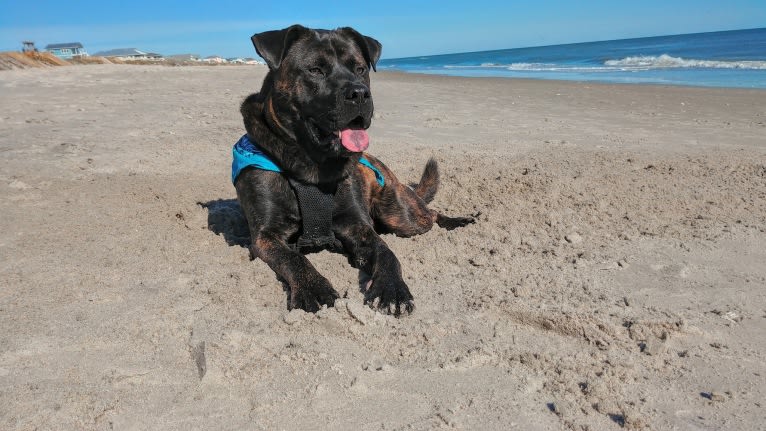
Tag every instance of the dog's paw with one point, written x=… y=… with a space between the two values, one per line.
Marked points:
x=312 y=296
x=450 y=223
x=389 y=296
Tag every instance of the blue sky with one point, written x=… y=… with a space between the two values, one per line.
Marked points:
x=406 y=28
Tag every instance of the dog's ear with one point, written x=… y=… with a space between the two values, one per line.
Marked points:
x=371 y=48
x=272 y=45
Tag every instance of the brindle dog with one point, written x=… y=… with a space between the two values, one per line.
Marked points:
x=310 y=118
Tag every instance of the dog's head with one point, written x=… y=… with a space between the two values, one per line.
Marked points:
x=319 y=87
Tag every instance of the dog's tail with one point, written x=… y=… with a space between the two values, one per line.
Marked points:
x=429 y=182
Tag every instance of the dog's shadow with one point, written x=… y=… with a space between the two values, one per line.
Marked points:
x=225 y=218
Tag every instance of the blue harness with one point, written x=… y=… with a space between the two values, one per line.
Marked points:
x=246 y=153
x=315 y=203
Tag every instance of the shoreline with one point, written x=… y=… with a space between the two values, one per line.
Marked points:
x=96 y=63
x=573 y=81
x=613 y=280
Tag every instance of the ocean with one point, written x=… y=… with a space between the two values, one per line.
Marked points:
x=719 y=59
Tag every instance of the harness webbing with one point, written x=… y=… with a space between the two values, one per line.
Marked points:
x=316 y=203
x=316 y=206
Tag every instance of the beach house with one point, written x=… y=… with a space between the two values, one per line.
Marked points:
x=66 y=51
x=183 y=57
x=215 y=59
x=130 y=54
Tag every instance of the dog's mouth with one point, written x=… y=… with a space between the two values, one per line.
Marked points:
x=353 y=136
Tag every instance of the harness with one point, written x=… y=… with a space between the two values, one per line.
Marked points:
x=315 y=202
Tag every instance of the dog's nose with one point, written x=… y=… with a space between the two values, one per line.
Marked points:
x=358 y=93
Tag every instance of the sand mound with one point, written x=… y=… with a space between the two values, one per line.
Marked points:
x=24 y=60
x=91 y=60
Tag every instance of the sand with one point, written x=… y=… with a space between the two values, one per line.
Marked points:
x=615 y=277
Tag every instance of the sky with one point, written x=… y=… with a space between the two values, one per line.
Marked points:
x=405 y=28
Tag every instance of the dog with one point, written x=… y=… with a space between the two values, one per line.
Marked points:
x=304 y=180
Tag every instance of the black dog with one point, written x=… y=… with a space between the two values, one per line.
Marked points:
x=303 y=180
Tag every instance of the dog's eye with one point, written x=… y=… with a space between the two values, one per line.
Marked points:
x=316 y=71
x=360 y=70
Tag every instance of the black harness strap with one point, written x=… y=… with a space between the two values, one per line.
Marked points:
x=316 y=205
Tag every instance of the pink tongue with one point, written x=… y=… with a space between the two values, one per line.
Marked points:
x=354 y=140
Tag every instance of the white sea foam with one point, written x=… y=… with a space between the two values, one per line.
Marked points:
x=546 y=67
x=665 y=61
x=533 y=67
x=636 y=63
x=481 y=66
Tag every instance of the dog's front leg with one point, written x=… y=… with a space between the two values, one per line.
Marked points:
x=387 y=290
x=309 y=290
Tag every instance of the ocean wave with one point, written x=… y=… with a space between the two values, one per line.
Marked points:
x=532 y=67
x=548 y=67
x=636 y=63
x=665 y=61
x=470 y=66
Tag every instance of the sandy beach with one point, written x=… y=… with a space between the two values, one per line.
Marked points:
x=614 y=279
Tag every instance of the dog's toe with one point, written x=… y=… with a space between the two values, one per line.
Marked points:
x=305 y=301
x=311 y=298
x=406 y=307
x=398 y=308
x=390 y=298
x=328 y=298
